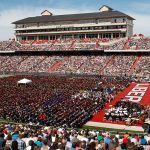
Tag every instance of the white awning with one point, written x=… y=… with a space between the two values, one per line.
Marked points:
x=24 y=81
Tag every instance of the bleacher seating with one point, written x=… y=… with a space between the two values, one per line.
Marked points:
x=91 y=65
x=134 y=43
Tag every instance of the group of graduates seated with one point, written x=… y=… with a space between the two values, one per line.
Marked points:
x=59 y=101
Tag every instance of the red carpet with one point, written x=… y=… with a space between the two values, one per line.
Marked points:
x=98 y=117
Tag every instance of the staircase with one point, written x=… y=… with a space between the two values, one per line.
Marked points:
x=35 y=65
x=136 y=62
x=23 y=59
x=72 y=44
x=107 y=64
x=7 y=46
x=56 y=66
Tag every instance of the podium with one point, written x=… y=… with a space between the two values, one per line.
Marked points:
x=146 y=126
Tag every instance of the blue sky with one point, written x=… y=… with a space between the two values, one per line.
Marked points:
x=12 y=10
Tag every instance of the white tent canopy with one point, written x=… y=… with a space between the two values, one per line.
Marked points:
x=24 y=81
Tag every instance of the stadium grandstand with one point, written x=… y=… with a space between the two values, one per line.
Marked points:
x=65 y=78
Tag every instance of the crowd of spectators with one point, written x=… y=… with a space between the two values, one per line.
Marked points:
x=119 y=65
x=135 y=43
x=140 y=43
x=3 y=45
x=28 y=137
x=84 y=64
x=143 y=67
x=26 y=63
x=53 y=45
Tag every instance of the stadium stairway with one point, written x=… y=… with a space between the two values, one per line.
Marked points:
x=3 y=61
x=35 y=65
x=72 y=45
x=136 y=62
x=107 y=64
x=23 y=59
x=9 y=44
x=126 y=45
x=12 y=67
x=56 y=65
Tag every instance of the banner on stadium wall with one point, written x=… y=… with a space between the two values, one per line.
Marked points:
x=140 y=93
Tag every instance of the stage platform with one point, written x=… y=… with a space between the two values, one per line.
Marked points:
x=136 y=92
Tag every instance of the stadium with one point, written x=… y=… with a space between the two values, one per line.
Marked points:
x=64 y=74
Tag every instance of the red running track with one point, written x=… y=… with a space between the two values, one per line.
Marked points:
x=98 y=117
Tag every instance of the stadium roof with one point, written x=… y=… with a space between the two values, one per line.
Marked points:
x=73 y=17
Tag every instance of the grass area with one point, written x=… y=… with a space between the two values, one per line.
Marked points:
x=10 y=122
x=112 y=130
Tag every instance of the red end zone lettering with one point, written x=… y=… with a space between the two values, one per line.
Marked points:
x=137 y=93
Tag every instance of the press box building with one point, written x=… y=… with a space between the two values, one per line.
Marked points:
x=107 y=23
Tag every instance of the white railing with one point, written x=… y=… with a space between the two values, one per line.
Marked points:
x=128 y=50
x=77 y=31
x=71 y=25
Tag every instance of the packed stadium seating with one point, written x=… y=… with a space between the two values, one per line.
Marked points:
x=64 y=101
x=143 y=67
x=113 y=65
x=134 y=43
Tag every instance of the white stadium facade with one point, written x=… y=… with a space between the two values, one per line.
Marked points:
x=107 y=23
